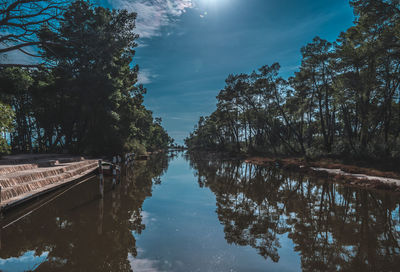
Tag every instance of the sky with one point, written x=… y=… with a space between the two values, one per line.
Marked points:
x=187 y=48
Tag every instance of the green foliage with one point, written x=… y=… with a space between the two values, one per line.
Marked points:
x=6 y=117
x=15 y=90
x=159 y=138
x=87 y=100
x=136 y=147
x=6 y=125
x=344 y=100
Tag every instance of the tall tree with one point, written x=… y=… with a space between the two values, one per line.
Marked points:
x=92 y=53
x=314 y=83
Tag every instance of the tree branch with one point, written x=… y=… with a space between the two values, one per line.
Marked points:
x=5 y=65
x=18 y=46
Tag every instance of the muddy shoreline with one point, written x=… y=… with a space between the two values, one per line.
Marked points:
x=344 y=173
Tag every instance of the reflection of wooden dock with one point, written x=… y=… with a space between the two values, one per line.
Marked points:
x=25 y=177
x=109 y=167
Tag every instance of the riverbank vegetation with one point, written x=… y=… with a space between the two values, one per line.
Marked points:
x=84 y=97
x=343 y=101
x=6 y=120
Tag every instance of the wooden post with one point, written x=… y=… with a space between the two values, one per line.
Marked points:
x=101 y=203
x=114 y=174
x=100 y=167
x=101 y=187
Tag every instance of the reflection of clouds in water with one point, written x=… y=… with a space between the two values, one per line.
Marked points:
x=149 y=265
x=146 y=218
x=143 y=265
x=26 y=262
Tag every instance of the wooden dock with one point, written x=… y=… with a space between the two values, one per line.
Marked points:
x=28 y=176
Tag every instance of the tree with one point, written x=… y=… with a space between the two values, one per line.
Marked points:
x=15 y=86
x=20 y=23
x=367 y=64
x=314 y=83
x=6 y=120
x=91 y=53
x=88 y=100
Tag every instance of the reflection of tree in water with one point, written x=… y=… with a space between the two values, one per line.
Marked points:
x=84 y=233
x=332 y=227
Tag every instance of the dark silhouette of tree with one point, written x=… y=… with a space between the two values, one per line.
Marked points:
x=88 y=99
x=20 y=23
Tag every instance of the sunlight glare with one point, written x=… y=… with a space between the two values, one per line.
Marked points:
x=212 y=2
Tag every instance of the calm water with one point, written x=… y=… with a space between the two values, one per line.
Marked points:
x=200 y=214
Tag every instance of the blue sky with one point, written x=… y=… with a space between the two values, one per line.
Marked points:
x=188 y=47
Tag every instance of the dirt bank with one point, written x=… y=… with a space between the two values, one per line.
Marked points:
x=348 y=174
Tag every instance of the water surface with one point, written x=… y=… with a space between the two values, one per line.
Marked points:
x=194 y=213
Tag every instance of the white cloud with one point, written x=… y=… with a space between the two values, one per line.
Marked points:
x=154 y=14
x=145 y=76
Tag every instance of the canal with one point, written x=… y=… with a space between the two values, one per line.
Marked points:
x=178 y=212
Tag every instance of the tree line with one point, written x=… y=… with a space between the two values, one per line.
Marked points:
x=343 y=100
x=84 y=97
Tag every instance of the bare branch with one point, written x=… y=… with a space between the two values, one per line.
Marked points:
x=21 y=21
x=28 y=53
x=5 y=65
x=18 y=46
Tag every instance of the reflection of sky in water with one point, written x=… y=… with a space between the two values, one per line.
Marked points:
x=184 y=228
x=142 y=265
x=27 y=262
x=183 y=232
